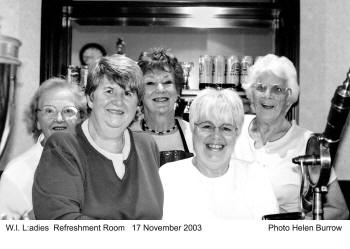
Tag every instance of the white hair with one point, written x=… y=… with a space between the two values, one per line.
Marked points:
x=223 y=105
x=282 y=67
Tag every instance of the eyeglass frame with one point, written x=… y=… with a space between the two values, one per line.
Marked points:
x=272 y=92
x=56 y=112
x=212 y=131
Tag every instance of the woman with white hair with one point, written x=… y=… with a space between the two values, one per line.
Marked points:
x=211 y=185
x=56 y=107
x=269 y=138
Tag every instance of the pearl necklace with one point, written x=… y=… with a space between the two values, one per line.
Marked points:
x=144 y=125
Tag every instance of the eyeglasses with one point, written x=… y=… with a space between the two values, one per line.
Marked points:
x=209 y=128
x=51 y=111
x=275 y=90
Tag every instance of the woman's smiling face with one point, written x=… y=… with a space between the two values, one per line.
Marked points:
x=213 y=142
x=112 y=106
x=270 y=97
x=160 y=92
x=56 y=99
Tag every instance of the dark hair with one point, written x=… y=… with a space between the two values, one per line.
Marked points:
x=118 y=68
x=31 y=117
x=161 y=59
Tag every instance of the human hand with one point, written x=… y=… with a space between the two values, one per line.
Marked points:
x=5 y=216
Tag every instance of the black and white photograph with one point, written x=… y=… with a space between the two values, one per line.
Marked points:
x=177 y=124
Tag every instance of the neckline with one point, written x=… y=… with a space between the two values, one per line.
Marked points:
x=110 y=155
x=282 y=138
x=202 y=171
x=82 y=136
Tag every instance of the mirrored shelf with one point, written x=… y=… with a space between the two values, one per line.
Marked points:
x=175 y=14
x=276 y=21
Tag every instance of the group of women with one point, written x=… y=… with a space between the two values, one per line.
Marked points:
x=131 y=158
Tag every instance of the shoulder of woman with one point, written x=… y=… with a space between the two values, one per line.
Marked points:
x=249 y=168
x=29 y=155
x=241 y=164
x=23 y=164
x=142 y=138
x=178 y=167
x=63 y=141
x=300 y=131
x=244 y=137
x=145 y=145
x=248 y=118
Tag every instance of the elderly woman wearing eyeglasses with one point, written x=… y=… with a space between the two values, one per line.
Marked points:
x=212 y=185
x=57 y=106
x=104 y=171
x=270 y=139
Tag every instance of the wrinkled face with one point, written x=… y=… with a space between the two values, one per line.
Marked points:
x=112 y=106
x=57 y=112
x=213 y=142
x=270 y=95
x=160 y=92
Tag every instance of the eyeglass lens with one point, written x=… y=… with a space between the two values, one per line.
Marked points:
x=209 y=127
x=275 y=89
x=66 y=112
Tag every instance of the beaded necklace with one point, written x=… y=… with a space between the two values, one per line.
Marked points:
x=145 y=127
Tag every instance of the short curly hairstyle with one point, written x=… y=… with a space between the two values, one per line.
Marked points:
x=162 y=59
x=31 y=117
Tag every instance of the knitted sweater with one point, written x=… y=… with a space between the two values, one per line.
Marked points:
x=74 y=181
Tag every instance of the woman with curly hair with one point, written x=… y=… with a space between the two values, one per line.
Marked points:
x=57 y=106
x=163 y=78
